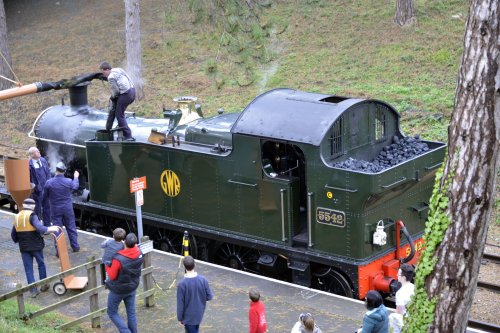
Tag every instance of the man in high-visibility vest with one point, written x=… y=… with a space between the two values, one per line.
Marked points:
x=28 y=231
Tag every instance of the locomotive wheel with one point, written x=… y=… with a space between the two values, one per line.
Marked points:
x=238 y=257
x=328 y=279
x=59 y=288
x=171 y=241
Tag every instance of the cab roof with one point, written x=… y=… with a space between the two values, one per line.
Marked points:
x=293 y=115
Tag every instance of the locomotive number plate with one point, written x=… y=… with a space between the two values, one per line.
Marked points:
x=330 y=217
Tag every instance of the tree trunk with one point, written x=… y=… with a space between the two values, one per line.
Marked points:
x=469 y=176
x=133 y=41
x=405 y=13
x=5 y=59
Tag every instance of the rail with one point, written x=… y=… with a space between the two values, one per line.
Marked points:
x=481 y=325
x=92 y=292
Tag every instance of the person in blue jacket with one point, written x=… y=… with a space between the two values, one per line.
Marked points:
x=376 y=319
x=58 y=191
x=39 y=174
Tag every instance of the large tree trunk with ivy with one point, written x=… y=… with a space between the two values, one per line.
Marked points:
x=5 y=60
x=133 y=42
x=463 y=198
x=405 y=12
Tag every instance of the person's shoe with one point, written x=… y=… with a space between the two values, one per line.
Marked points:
x=76 y=250
x=44 y=288
x=129 y=139
x=34 y=293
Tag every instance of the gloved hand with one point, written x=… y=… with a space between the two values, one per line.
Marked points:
x=53 y=228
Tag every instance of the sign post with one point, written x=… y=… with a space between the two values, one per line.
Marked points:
x=137 y=185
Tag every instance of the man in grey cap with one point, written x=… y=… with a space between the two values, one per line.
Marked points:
x=58 y=191
x=28 y=231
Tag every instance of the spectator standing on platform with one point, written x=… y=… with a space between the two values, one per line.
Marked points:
x=375 y=319
x=124 y=275
x=28 y=231
x=305 y=324
x=122 y=95
x=39 y=174
x=112 y=246
x=193 y=292
x=256 y=313
x=403 y=296
x=58 y=191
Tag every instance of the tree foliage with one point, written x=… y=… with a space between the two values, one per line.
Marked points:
x=244 y=35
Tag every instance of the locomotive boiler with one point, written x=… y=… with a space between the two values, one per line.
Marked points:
x=320 y=190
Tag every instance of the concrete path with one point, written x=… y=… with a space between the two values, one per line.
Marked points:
x=227 y=312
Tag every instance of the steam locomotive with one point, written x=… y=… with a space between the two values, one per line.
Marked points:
x=292 y=187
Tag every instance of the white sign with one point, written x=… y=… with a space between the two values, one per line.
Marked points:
x=146 y=247
x=139 y=198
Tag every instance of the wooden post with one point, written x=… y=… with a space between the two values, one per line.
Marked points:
x=20 y=302
x=147 y=279
x=93 y=299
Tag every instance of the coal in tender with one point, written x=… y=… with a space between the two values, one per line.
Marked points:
x=400 y=150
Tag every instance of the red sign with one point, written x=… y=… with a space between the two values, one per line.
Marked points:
x=138 y=184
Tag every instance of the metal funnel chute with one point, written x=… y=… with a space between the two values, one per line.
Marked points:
x=17 y=180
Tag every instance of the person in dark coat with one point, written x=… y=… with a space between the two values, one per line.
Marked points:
x=193 y=292
x=39 y=174
x=58 y=191
x=27 y=231
x=376 y=319
x=124 y=275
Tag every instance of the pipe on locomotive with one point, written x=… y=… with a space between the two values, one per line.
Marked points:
x=38 y=87
x=387 y=284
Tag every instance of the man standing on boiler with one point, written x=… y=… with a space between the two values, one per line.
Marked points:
x=123 y=94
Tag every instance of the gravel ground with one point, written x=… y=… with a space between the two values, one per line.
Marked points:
x=486 y=303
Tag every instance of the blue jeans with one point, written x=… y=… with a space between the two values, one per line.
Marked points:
x=192 y=328
x=114 y=301
x=27 y=257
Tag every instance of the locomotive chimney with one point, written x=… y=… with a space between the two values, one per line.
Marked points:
x=78 y=94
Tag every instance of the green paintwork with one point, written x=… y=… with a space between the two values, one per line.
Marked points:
x=260 y=186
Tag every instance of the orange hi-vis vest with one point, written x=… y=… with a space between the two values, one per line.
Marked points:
x=22 y=221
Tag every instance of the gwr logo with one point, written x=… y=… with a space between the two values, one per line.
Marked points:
x=170 y=183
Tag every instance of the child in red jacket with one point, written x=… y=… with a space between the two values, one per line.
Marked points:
x=256 y=313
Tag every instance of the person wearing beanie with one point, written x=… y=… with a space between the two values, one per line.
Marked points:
x=27 y=231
